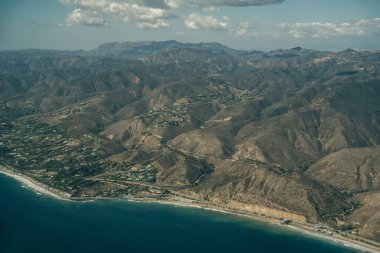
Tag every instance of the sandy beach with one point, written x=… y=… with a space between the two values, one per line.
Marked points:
x=33 y=185
x=306 y=228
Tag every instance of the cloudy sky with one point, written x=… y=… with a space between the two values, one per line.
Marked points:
x=241 y=24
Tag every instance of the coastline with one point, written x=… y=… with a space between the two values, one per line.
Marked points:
x=305 y=228
x=35 y=186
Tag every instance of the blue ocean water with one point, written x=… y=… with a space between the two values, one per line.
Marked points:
x=34 y=223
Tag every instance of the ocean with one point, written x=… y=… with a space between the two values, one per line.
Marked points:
x=30 y=222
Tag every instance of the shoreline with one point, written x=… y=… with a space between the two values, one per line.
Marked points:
x=306 y=228
x=35 y=186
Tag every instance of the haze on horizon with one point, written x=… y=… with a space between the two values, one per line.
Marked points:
x=241 y=24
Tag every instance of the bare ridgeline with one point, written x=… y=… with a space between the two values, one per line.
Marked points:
x=290 y=134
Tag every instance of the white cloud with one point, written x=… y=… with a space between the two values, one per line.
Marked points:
x=160 y=23
x=320 y=30
x=235 y=3
x=244 y=30
x=121 y=5
x=85 y=17
x=196 y=21
x=210 y=9
x=157 y=13
x=142 y=16
x=240 y=3
x=145 y=13
x=94 y=4
x=171 y=3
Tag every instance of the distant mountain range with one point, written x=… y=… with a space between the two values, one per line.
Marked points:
x=294 y=131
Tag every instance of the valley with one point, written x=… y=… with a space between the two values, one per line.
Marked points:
x=293 y=131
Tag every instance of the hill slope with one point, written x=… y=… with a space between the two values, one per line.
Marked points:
x=292 y=132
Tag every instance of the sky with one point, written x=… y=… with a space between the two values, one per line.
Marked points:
x=240 y=24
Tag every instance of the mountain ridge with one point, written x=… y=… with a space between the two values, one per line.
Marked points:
x=242 y=128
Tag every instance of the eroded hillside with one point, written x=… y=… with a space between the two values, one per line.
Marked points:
x=293 y=133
